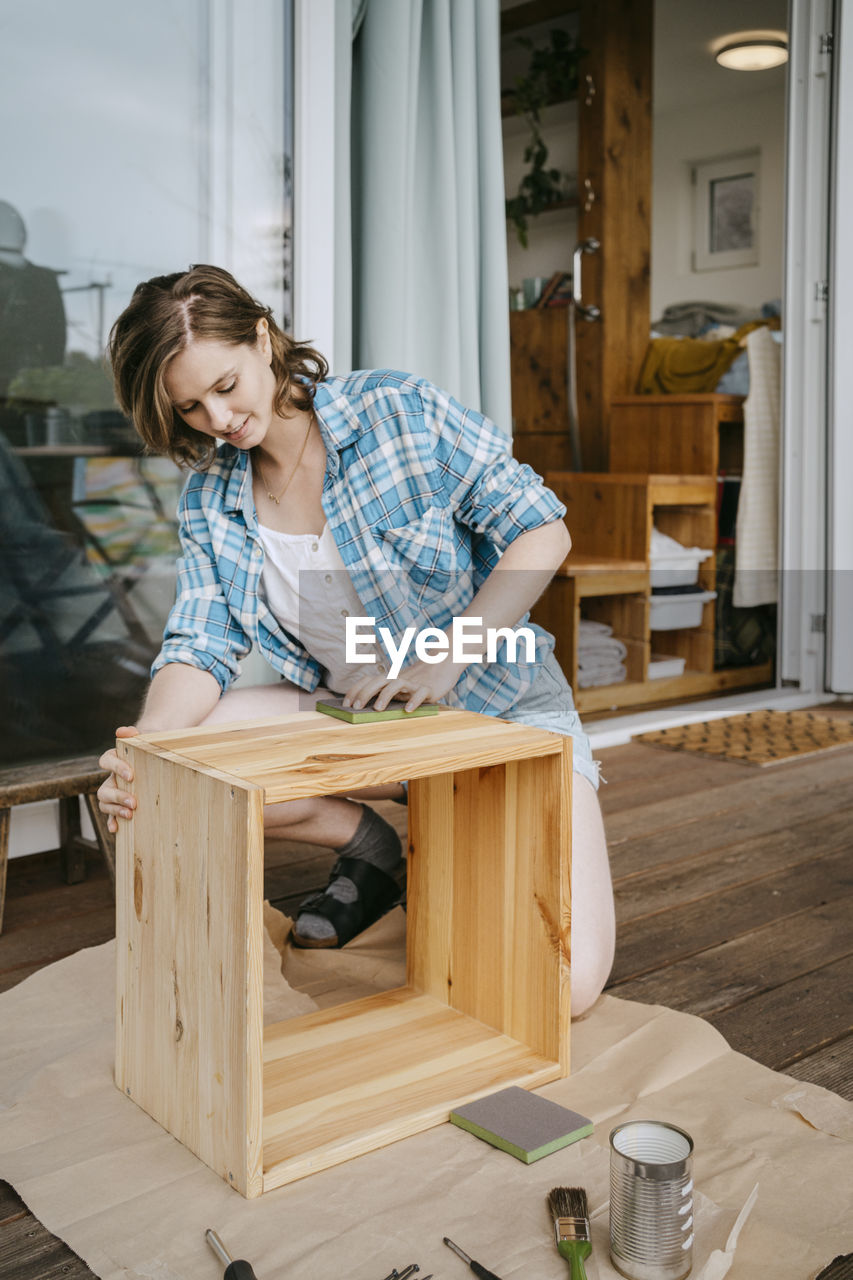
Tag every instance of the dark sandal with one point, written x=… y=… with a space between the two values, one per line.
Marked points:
x=377 y=893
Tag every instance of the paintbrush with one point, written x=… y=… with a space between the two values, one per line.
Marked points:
x=571 y=1224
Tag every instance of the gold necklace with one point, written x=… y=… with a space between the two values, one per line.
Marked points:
x=272 y=497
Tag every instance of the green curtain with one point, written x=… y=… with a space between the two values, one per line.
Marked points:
x=428 y=232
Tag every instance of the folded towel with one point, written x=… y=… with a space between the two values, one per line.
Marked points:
x=608 y=649
x=588 y=628
x=614 y=674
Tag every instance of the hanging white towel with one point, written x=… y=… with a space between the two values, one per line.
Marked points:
x=757 y=539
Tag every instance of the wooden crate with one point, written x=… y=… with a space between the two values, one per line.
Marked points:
x=486 y=1003
x=696 y=434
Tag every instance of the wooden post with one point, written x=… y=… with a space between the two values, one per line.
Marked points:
x=614 y=187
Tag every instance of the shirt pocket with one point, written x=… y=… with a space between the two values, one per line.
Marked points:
x=425 y=550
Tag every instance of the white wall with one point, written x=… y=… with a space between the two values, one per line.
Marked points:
x=684 y=137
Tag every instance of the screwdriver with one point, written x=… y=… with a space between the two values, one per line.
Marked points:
x=476 y=1267
x=234 y=1270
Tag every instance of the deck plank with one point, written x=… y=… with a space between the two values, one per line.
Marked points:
x=656 y=940
x=831 y=1067
x=723 y=976
x=751 y=789
x=27 y=1249
x=792 y=1020
x=697 y=874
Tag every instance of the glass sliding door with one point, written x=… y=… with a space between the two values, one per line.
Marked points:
x=140 y=139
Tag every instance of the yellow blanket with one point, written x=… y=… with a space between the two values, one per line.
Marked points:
x=690 y=364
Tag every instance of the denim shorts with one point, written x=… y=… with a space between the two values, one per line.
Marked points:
x=548 y=704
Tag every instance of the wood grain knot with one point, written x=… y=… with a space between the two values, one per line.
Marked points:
x=137 y=888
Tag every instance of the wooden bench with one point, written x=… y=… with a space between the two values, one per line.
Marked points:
x=65 y=781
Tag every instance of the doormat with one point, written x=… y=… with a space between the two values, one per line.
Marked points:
x=759 y=738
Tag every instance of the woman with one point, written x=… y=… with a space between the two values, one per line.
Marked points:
x=313 y=499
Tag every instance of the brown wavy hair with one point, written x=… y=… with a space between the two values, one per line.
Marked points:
x=163 y=317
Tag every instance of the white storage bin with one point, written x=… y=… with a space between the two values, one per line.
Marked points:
x=662 y=667
x=673 y=565
x=678 y=571
x=671 y=613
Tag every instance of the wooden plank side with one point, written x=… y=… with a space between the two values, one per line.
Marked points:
x=421 y=1103
x=190 y=962
x=429 y=881
x=536 y=942
x=312 y=754
x=605 y=514
x=407 y=1061
x=693 y=684
x=648 y=433
x=480 y=857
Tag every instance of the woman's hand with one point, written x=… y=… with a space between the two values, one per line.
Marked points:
x=113 y=799
x=417 y=683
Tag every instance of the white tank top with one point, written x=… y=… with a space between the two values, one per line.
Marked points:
x=308 y=589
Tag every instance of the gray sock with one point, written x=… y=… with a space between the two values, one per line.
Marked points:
x=375 y=841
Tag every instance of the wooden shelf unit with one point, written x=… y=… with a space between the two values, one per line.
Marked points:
x=486 y=1001
x=606 y=578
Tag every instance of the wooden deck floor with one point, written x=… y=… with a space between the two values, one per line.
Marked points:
x=734 y=899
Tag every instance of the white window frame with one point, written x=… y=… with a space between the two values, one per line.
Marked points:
x=802 y=534
x=318 y=180
x=705 y=174
x=839 y=603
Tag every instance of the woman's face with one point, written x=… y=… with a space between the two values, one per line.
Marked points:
x=225 y=390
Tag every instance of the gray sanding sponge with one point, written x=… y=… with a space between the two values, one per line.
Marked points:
x=367 y=715
x=522 y=1123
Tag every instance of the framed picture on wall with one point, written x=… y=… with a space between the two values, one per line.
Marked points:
x=725 y=212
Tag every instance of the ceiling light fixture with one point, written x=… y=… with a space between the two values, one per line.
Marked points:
x=744 y=54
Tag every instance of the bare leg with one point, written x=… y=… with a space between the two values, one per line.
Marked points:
x=335 y=822
x=326 y=820
x=593 y=913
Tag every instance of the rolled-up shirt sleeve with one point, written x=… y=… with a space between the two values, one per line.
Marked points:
x=490 y=491
x=200 y=630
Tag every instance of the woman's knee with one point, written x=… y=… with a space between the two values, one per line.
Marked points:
x=593 y=913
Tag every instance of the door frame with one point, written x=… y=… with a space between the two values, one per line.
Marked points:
x=839 y=602
x=803 y=505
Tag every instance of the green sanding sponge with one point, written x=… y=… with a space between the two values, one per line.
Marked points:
x=522 y=1123
x=335 y=707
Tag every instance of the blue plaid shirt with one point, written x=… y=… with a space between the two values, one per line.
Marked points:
x=421 y=495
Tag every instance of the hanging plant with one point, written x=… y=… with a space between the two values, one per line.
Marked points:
x=552 y=76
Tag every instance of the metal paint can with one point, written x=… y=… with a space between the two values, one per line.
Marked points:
x=651 y=1200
